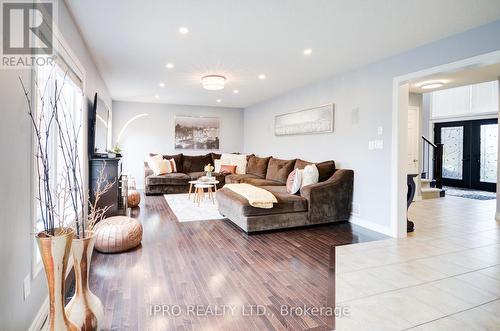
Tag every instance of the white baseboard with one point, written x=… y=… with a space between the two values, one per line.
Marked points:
x=370 y=225
x=41 y=317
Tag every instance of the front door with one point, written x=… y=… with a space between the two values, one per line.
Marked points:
x=470 y=150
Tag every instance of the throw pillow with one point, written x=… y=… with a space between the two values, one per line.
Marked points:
x=239 y=160
x=172 y=165
x=294 y=181
x=310 y=175
x=158 y=165
x=227 y=169
x=217 y=164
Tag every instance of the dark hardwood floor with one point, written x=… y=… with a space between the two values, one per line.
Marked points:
x=215 y=265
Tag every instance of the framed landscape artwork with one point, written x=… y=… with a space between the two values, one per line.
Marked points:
x=196 y=132
x=313 y=120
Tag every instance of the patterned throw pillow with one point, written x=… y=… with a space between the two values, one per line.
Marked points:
x=294 y=181
x=172 y=165
x=310 y=175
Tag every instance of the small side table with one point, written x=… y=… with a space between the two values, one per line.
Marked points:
x=200 y=192
x=192 y=183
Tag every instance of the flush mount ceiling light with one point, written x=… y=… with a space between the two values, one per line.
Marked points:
x=236 y=91
x=169 y=65
x=157 y=96
x=308 y=51
x=161 y=84
x=219 y=100
x=262 y=76
x=183 y=30
x=213 y=82
x=431 y=85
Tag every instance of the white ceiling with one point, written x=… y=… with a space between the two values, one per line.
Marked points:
x=132 y=40
x=467 y=76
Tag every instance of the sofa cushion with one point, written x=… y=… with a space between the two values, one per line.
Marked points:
x=326 y=170
x=235 y=179
x=261 y=182
x=195 y=163
x=168 y=179
x=287 y=203
x=257 y=166
x=301 y=164
x=279 y=170
x=215 y=156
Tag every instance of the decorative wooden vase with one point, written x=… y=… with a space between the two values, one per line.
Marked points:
x=55 y=252
x=85 y=309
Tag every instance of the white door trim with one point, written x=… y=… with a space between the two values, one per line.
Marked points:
x=398 y=139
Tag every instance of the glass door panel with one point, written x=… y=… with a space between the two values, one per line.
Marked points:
x=452 y=139
x=488 y=153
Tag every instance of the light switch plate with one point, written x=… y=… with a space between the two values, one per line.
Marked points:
x=379 y=144
x=371 y=145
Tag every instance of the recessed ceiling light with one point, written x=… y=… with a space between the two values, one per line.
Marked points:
x=169 y=65
x=183 y=30
x=213 y=82
x=308 y=51
x=262 y=76
x=161 y=84
x=236 y=91
x=431 y=85
x=157 y=96
x=219 y=100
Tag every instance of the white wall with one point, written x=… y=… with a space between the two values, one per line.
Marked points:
x=155 y=132
x=370 y=90
x=16 y=239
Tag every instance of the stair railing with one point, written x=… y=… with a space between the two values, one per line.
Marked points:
x=432 y=158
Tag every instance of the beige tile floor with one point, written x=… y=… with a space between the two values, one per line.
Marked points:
x=444 y=276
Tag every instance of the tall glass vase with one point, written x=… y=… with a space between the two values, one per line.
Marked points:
x=55 y=252
x=85 y=309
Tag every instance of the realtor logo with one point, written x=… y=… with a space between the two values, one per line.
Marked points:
x=27 y=33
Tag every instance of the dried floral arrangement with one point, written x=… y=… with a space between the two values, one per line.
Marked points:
x=66 y=198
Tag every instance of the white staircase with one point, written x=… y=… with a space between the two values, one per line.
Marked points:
x=428 y=189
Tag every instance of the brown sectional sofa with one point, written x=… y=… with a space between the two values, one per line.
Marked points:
x=327 y=201
x=330 y=200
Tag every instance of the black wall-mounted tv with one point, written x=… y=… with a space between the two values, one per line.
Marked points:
x=91 y=128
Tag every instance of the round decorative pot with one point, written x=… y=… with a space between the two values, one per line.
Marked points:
x=55 y=251
x=134 y=198
x=85 y=309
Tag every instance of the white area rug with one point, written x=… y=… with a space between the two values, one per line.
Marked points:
x=187 y=211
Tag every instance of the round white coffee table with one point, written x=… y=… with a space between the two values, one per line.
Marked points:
x=199 y=190
x=200 y=186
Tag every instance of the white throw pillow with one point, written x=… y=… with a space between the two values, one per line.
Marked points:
x=158 y=165
x=310 y=175
x=294 y=181
x=217 y=164
x=239 y=160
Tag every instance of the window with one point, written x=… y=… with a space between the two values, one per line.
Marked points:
x=68 y=79
x=467 y=100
